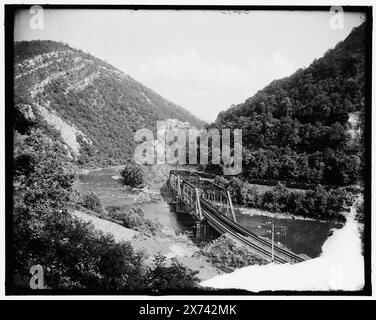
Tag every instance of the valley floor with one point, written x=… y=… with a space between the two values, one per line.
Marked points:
x=169 y=245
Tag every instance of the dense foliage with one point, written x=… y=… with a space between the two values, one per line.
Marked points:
x=72 y=253
x=227 y=256
x=132 y=174
x=134 y=219
x=170 y=277
x=92 y=202
x=107 y=105
x=319 y=202
x=297 y=128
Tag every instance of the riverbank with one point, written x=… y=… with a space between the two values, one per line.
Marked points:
x=278 y=215
x=299 y=234
x=119 y=232
x=157 y=175
x=339 y=267
x=88 y=170
x=168 y=244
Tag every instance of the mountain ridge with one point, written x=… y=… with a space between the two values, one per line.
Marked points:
x=300 y=128
x=95 y=107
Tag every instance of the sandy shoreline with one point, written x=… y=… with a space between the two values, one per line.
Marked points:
x=119 y=232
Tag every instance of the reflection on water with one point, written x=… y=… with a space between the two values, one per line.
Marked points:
x=105 y=184
x=301 y=236
x=109 y=190
x=167 y=216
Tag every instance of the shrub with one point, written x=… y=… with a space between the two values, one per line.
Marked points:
x=222 y=181
x=132 y=174
x=92 y=202
x=227 y=255
x=73 y=255
x=173 y=277
x=359 y=216
x=134 y=219
x=319 y=202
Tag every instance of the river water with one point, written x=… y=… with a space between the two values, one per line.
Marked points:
x=300 y=236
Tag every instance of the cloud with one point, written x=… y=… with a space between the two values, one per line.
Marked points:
x=207 y=87
x=190 y=71
x=267 y=69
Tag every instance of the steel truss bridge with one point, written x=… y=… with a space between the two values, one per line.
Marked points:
x=211 y=204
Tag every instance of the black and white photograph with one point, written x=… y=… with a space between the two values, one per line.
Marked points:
x=187 y=150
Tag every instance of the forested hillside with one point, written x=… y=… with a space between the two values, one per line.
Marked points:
x=90 y=106
x=69 y=108
x=307 y=127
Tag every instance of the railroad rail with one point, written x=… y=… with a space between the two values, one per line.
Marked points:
x=211 y=203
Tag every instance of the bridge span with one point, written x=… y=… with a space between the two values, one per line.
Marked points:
x=210 y=204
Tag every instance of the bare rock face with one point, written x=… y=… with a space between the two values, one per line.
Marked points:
x=27 y=111
x=68 y=131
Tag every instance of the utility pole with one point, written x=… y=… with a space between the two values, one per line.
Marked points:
x=272 y=232
x=284 y=228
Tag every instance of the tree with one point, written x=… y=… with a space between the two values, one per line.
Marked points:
x=172 y=277
x=302 y=115
x=92 y=202
x=132 y=174
x=72 y=254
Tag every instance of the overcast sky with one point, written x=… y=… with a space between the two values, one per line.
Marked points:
x=204 y=61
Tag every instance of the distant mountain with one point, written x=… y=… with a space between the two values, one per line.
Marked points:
x=307 y=127
x=89 y=105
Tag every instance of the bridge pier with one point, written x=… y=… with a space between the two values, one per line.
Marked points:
x=205 y=231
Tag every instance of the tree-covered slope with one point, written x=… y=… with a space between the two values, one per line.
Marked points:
x=307 y=127
x=95 y=107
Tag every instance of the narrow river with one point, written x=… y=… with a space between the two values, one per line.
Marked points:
x=300 y=236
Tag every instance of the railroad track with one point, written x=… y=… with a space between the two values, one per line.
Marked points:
x=246 y=237
x=221 y=222
x=222 y=228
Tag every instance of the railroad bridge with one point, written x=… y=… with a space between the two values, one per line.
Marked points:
x=211 y=206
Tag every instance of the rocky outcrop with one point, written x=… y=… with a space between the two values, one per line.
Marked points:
x=68 y=131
